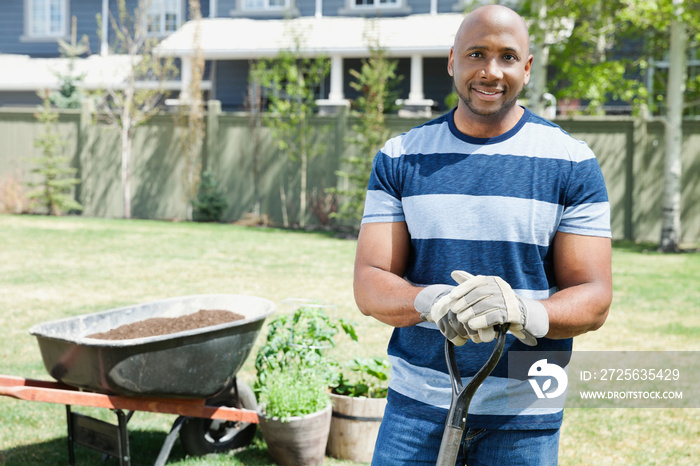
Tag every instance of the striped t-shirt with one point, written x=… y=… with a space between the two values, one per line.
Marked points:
x=489 y=207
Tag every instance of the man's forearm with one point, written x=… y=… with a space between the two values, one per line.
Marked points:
x=577 y=310
x=386 y=297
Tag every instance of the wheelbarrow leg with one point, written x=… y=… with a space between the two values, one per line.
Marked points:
x=462 y=397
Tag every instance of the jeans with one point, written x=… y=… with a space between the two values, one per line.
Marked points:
x=404 y=439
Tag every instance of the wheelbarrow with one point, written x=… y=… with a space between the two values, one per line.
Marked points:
x=190 y=373
x=462 y=397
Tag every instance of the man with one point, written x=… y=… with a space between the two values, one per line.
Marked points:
x=488 y=214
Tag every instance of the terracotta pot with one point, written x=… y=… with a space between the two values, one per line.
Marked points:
x=300 y=441
x=354 y=427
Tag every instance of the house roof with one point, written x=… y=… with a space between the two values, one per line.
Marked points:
x=242 y=38
x=24 y=73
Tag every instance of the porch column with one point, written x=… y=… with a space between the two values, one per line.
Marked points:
x=185 y=78
x=416 y=104
x=104 y=40
x=336 y=96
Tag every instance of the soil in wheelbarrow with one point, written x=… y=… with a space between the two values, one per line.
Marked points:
x=166 y=325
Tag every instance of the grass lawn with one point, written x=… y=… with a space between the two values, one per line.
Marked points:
x=59 y=267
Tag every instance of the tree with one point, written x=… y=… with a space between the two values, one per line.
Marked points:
x=134 y=103
x=580 y=40
x=605 y=57
x=190 y=117
x=669 y=22
x=54 y=189
x=291 y=83
x=69 y=94
x=253 y=105
x=376 y=82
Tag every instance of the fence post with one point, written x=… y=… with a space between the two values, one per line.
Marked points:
x=636 y=150
x=87 y=109
x=212 y=132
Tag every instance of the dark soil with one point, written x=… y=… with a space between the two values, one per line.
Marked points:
x=167 y=325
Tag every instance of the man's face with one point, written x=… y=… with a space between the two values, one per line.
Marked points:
x=490 y=63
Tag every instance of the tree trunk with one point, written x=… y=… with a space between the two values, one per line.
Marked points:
x=126 y=137
x=126 y=158
x=671 y=215
x=540 y=52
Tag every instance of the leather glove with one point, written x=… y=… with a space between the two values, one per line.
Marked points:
x=488 y=300
x=433 y=303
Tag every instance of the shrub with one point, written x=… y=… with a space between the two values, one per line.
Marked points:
x=210 y=204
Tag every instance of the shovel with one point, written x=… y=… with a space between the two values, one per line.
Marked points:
x=461 y=397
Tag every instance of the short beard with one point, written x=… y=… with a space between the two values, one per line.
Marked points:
x=488 y=113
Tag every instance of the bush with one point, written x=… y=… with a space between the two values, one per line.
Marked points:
x=210 y=204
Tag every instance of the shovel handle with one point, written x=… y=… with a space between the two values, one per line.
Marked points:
x=462 y=397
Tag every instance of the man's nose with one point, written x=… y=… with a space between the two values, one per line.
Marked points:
x=492 y=70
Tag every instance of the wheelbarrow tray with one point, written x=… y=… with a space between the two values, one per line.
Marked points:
x=190 y=364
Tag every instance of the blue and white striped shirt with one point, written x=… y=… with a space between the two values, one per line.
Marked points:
x=489 y=207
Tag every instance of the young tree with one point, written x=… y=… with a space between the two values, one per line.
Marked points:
x=69 y=94
x=376 y=82
x=292 y=83
x=138 y=99
x=190 y=117
x=253 y=105
x=57 y=181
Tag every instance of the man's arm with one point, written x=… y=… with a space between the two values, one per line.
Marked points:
x=380 y=265
x=582 y=268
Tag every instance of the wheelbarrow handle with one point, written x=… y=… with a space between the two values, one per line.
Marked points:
x=462 y=397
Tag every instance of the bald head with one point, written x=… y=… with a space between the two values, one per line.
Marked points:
x=498 y=18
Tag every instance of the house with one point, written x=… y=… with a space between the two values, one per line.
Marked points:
x=418 y=33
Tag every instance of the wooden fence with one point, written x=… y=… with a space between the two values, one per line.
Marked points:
x=630 y=152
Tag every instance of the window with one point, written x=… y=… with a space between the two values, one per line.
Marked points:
x=265 y=4
x=46 y=18
x=376 y=3
x=163 y=17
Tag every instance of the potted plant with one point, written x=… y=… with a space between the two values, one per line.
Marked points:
x=301 y=340
x=295 y=417
x=358 y=407
x=293 y=374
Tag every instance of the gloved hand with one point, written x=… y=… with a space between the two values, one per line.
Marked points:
x=433 y=303
x=488 y=300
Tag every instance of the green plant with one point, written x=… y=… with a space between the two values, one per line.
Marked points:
x=298 y=342
x=376 y=81
x=294 y=392
x=54 y=189
x=371 y=376
x=290 y=83
x=210 y=203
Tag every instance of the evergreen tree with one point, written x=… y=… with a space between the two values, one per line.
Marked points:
x=54 y=189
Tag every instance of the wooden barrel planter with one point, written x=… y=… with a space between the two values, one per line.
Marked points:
x=354 y=427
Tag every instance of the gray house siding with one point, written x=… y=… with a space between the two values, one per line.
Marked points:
x=229 y=77
x=13 y=37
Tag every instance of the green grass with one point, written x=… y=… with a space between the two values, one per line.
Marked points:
x=60 y=267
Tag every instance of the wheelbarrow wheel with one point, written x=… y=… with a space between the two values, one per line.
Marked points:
x=203 y=436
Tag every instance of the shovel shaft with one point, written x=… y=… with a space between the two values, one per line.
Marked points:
x=449 y=448
x=462 y=397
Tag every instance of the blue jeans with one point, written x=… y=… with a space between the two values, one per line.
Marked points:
x=404 y=439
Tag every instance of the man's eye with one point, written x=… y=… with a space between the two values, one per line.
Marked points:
x=510 y=57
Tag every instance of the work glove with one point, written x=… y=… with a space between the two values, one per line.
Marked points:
x=433 y=303
x=486 y=301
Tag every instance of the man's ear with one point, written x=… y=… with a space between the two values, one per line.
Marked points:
x=450 y=62
x=528 y=67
